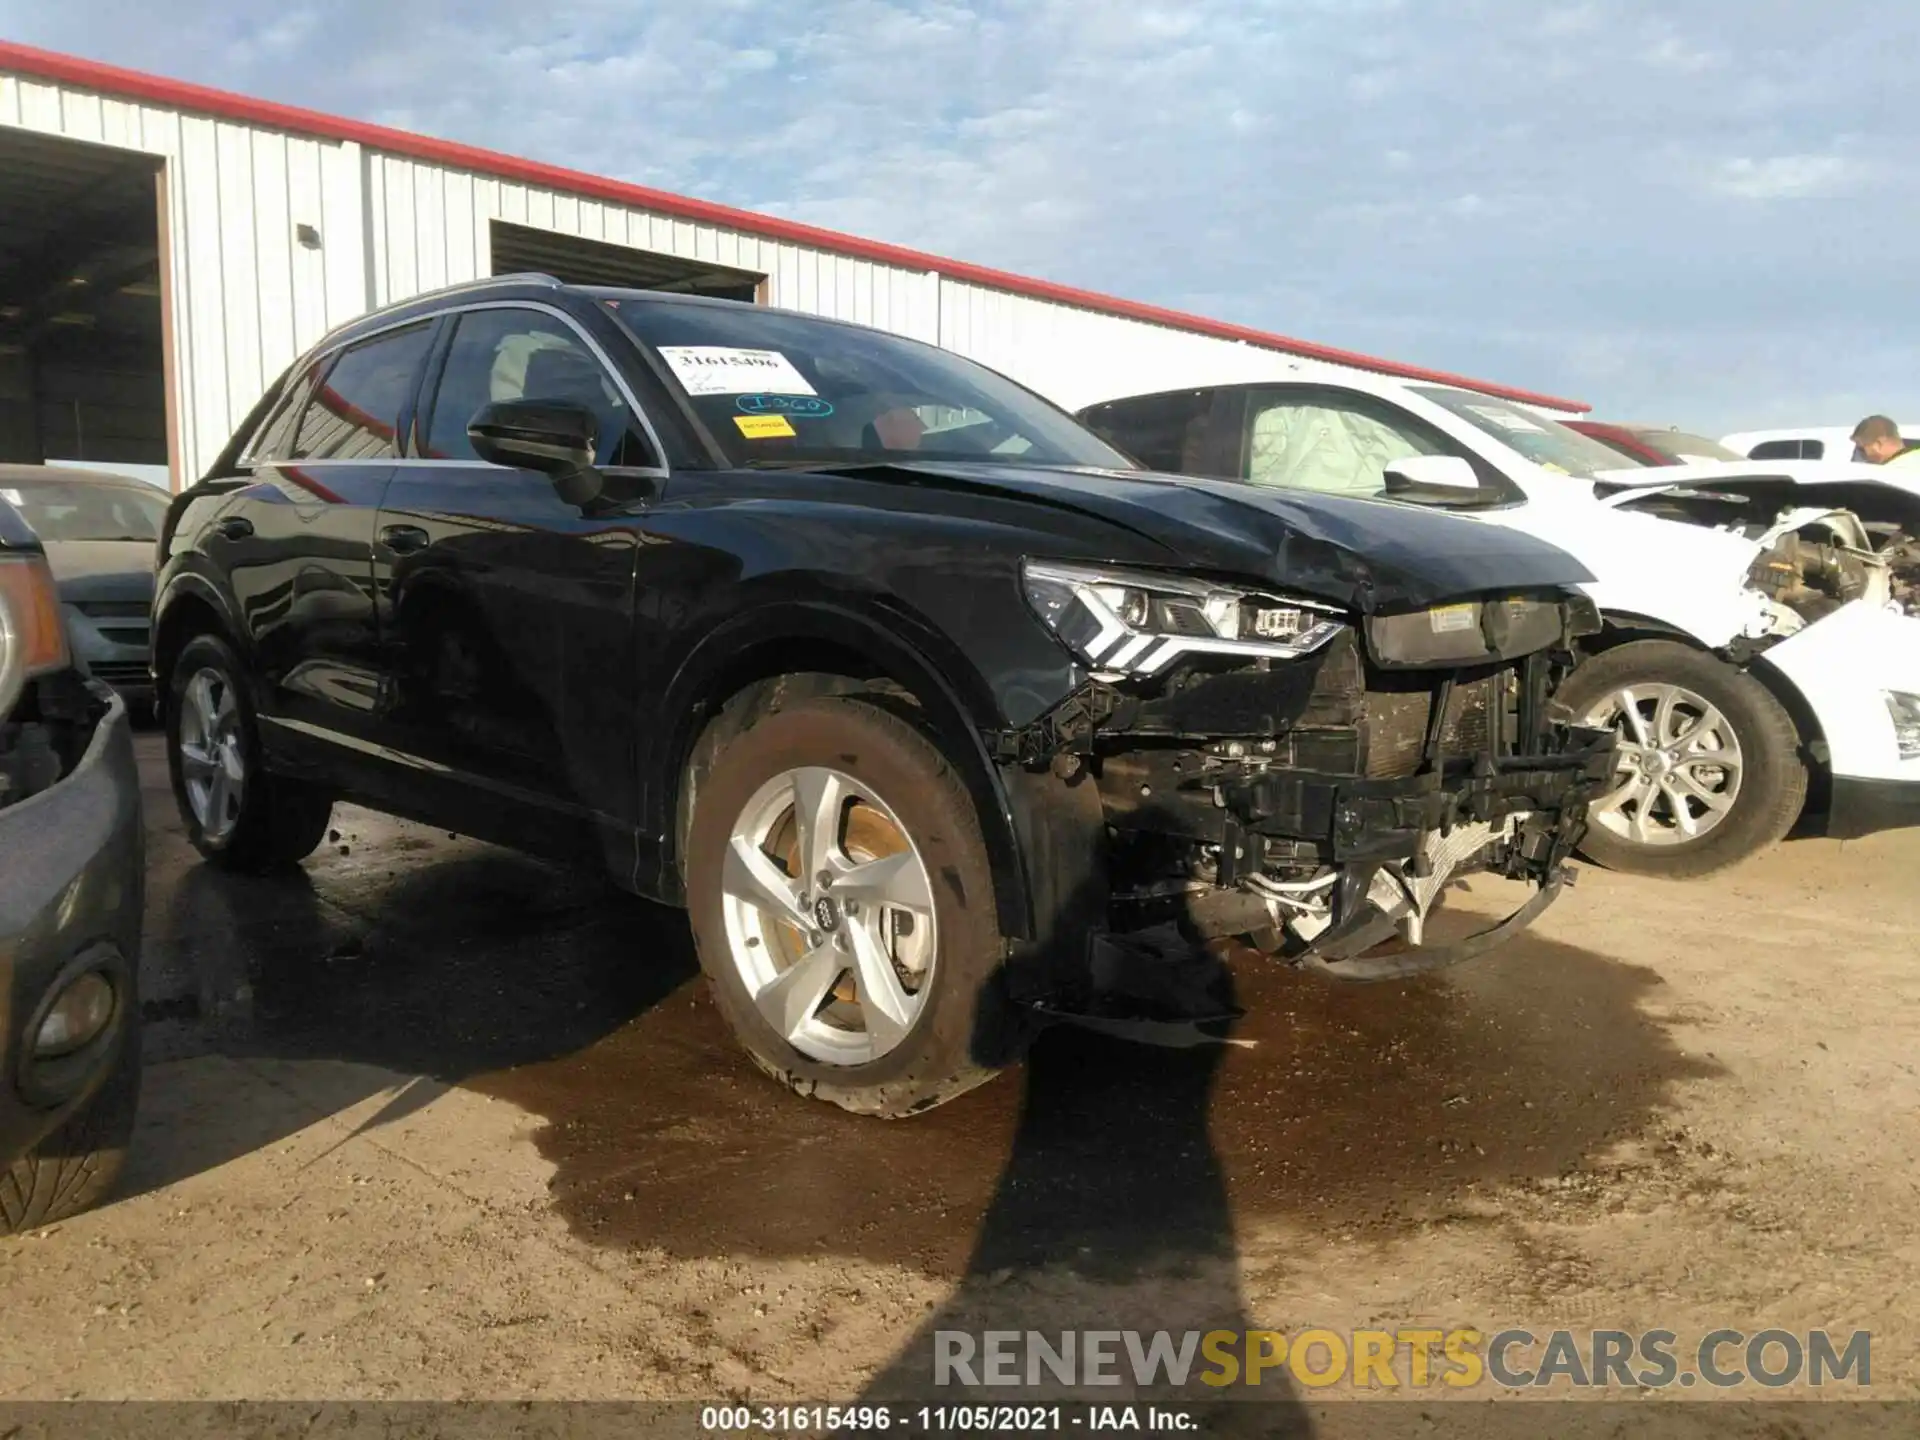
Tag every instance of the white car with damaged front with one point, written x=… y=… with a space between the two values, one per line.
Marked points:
x=1758 y=662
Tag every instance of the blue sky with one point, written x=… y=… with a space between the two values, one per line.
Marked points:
x=1702 y=214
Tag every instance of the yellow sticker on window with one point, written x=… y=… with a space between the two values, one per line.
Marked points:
x=1448 y=618
x=763 y=427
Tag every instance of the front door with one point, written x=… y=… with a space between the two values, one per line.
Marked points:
x=507 y=658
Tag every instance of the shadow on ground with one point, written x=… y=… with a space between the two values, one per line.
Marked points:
x=1104 y=1169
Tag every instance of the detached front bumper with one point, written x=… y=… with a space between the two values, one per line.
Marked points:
x=71 y=890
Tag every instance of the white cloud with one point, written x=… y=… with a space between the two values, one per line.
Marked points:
x=1670 y=52
x=1791 y=177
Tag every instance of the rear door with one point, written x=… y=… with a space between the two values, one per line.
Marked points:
x=507 y=664
x=297 y=545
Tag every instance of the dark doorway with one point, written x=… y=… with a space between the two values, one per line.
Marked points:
x=517 y=248
x=82 y=337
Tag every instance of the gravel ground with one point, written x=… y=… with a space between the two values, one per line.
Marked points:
x=435 y=1122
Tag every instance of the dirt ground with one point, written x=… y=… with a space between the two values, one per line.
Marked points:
x=437 y=1122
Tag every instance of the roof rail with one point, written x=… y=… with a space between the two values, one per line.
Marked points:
x=485 y=282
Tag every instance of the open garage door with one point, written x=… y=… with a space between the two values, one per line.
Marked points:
x=82 y=344
x=517 y=248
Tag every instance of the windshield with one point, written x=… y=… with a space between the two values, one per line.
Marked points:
x=1685 y=448
x=1547 y=443
x=789 y=389
x=87 y=510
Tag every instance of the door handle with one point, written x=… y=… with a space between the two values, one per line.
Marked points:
x=404 y=539
x=233 y=527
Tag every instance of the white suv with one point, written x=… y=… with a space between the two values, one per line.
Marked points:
x=1756 y=661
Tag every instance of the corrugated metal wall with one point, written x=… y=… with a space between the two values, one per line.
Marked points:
x=248 y=297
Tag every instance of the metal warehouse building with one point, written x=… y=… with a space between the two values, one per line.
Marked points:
x=166 y=249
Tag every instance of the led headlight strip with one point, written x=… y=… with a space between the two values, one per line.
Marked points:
x=1125 y=622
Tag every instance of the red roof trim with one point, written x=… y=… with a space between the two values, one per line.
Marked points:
x=201 y=99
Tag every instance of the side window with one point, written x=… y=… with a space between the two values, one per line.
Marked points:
x=1330 y=443
x=1786 y=450
x=514 y=354
x=1162 y=432
x=355 y=410
x=275 y=439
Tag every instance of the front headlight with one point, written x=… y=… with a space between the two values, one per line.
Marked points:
x=33 y=634
x=1126 y=622
x=1904 y=710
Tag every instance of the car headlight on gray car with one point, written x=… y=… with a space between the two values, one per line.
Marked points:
x=1904 y=710
x=1130 y=622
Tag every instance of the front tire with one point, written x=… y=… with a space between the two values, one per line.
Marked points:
x=236 y=814
x=75 y=1167
x=843 y=909
x=1710 y=769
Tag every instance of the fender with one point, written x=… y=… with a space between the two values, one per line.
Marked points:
x=186 y=582
x=901 y=647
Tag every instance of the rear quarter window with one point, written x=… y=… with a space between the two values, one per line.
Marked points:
x=354 y=412
x=1163 y=432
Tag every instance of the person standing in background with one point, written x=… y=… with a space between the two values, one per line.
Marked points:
x=1877 y=440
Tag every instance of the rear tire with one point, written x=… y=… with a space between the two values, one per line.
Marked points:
x=236 y=814
x=936 y=1019
x=1729 y=758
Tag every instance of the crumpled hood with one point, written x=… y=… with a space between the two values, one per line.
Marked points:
x=1833 y=477
x=1367 y=554
x=102 y=569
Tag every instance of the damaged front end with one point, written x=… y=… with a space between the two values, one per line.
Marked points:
x=1306 y=780
x=1822 y=546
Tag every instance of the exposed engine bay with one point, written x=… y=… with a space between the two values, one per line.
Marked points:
x=1817 y=557
x=1317 y=808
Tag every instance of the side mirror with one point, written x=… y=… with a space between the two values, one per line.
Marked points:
x=555 y=437
x=1431 y=472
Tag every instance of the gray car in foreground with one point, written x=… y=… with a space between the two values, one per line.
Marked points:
x=71 y=883
x=99 y=532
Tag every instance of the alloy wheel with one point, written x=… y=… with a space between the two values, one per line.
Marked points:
x=829 y=915
x=1679 y=769
x=213 y=761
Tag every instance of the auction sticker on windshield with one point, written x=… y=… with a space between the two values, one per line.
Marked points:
x=725 y=370
x=762 y=427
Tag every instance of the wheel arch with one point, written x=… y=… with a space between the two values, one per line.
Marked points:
x=188 y=607
x=751 y=667
x=1814 y=751
x=1620 y=629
